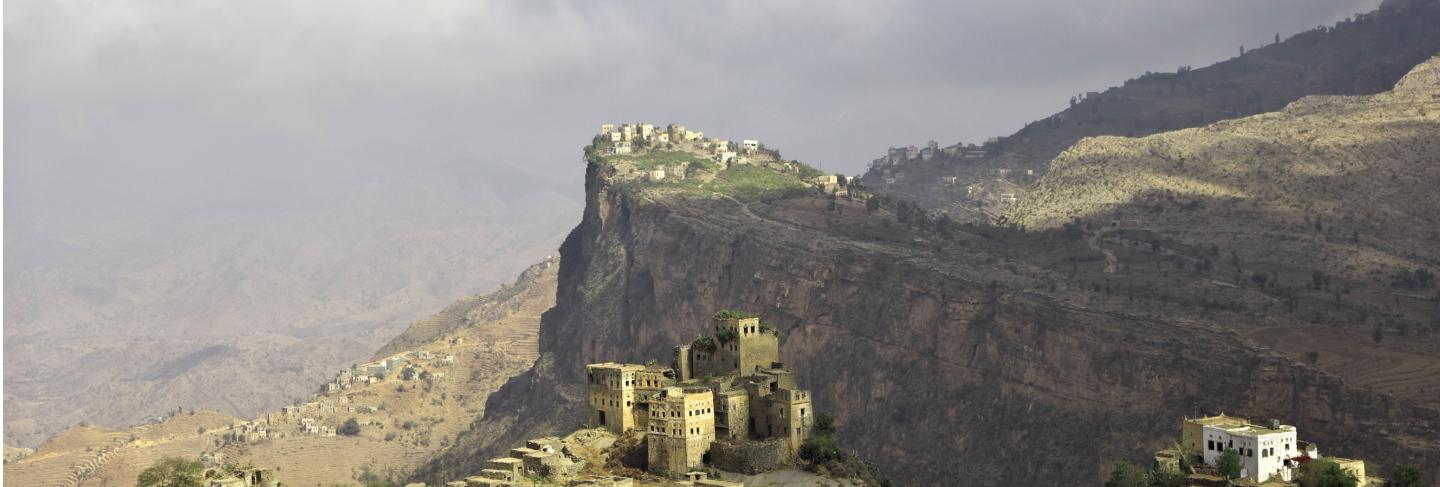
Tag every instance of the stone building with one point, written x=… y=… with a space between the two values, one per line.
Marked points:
x=731 y=386
x=778 y=407
x=612 y=395
x=740 y=344
x=681 y=429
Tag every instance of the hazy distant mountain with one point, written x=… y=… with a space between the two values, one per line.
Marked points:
x=250 y=302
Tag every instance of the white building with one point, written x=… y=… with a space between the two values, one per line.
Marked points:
x=750 y=145
x=1265 y=452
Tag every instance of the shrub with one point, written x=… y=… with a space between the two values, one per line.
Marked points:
x=351 y=427
x=820 y=449
x=824 y=424
x=730 y=314
x=1406 y=476
x=172 y=472
x=1325 y=473
x=1127 y=475
x=704 y=343
x=727 y=336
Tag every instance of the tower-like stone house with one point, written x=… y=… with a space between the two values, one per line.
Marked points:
x=681 y=429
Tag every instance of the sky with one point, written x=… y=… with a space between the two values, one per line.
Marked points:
x=199 y=100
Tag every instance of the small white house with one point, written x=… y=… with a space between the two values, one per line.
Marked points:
x=750 y=145
x=1265 y=452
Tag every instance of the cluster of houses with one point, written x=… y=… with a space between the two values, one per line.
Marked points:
x=311 y=417
x=899 y=156
x=724 y=402
x=727 y=399
x=1270 y=454
x=403 y=366
x=629 y=138
x=892 y=167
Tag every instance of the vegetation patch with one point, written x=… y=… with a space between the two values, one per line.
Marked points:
x=730 y=314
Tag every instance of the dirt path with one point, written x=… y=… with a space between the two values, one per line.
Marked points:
x=1112 y=264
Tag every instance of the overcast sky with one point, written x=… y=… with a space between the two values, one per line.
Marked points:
x=195 y=102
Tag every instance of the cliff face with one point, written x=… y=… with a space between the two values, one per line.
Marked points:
x=942 y=364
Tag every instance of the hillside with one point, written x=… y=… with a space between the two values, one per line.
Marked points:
x=155 y=312
x=403 y=421
x=1326 y=203
x=946 y=352
x=1362 y=55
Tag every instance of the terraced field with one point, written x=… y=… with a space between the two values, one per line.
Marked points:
x=1356 y=358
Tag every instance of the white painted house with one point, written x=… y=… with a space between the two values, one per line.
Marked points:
x=1265 y=452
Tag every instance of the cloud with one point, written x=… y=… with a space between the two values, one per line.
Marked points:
x=228 y=92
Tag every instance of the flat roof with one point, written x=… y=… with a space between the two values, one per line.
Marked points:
x=1255 y=429
x=1218 y=419
x=613 y=365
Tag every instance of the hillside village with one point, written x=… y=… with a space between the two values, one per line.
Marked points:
x=675 y=158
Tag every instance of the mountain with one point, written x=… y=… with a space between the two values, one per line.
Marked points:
x=1362 y=55
x=989 y=354
x=489 y=338
x=240 y=307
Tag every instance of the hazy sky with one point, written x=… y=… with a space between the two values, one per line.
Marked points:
x=200 y=102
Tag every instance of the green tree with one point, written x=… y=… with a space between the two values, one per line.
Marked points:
x=1229 y=463
x=1406 y=476
x=1127 y=475
x=351 y=427
x=172 y=472
x=1325 y=473
x=821 y=446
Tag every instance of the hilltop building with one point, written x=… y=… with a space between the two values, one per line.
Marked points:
x=729 y=388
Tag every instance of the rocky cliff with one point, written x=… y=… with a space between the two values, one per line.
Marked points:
x=945 y=361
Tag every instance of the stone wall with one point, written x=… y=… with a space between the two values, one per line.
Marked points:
x=750 y=457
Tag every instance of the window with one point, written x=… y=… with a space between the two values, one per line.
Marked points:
x=1210 y=445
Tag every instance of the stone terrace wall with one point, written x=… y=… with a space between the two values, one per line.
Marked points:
x=750 y=457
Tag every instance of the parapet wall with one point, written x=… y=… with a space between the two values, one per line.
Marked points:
x=750 y=456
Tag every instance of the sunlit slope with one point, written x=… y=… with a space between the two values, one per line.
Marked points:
x=1358 y=171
